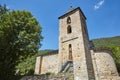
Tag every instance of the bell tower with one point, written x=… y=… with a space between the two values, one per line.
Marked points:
x=74 y=44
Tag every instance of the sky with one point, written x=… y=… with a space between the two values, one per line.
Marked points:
x=103 y=17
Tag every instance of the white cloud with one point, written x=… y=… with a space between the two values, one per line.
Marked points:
x=99 y=4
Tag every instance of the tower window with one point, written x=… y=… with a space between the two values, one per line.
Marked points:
x=68 y=20
x=69 y=29
x=70 y=52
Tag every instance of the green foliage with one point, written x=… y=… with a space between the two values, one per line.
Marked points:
x=44 y=52
x=20 y=36
x=116 y=56
x=21 y=32
x=3 y=10
x=26 y=66
x=107 y=42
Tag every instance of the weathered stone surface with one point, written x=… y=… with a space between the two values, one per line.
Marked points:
x=37 y=65
x=62 y=76
x=78 y=39
x=49 y=64
x=105 y=64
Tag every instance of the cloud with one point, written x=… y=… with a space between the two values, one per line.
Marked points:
x=99 y=4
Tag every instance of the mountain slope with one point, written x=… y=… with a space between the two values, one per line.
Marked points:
x=107 y=42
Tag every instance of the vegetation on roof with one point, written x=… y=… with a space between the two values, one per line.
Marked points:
x=47 y=52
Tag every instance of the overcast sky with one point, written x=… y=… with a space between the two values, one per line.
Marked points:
x=103 y=16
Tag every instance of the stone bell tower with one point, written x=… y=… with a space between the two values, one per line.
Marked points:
x=74 y=44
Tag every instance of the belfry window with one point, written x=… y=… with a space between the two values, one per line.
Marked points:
x=68 y=20
x=69 y=29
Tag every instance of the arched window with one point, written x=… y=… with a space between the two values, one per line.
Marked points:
x=69 y=29
x=68 y=20
x=70 y=52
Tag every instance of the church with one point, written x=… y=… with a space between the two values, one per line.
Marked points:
x=76 y=53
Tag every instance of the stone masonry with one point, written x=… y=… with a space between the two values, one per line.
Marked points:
x=76 y=55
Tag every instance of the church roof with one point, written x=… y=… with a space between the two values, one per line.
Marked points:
x=102 y=49
x=72 y=10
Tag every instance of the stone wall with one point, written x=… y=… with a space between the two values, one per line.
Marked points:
x=47 y=64
x=104 y=65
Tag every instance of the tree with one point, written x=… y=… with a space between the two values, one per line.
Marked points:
x=26 y=66
x=3 y=10
x=20 y=36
